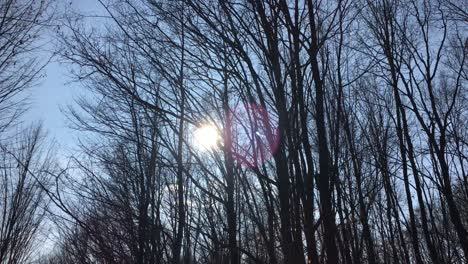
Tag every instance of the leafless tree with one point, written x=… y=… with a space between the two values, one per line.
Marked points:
x=21 y=23
x=341 y=130
x=25 y=164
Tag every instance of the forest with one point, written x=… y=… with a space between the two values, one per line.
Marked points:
x=238 y=131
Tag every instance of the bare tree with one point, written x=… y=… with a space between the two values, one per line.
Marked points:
x=24 y=202
x=339 y=133
x=21 y=23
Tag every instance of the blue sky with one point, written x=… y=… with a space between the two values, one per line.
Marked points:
x=55 y=91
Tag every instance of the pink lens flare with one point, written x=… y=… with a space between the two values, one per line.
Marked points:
x=255 y=134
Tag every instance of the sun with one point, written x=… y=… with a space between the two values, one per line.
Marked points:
x=206 y=137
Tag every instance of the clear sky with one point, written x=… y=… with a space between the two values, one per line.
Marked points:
x=55 y=90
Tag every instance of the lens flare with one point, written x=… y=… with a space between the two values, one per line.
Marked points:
x=255 y=134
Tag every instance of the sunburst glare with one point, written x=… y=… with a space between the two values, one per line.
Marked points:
x=206 y=137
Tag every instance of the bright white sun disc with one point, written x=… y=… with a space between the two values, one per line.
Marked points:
x=206 y=137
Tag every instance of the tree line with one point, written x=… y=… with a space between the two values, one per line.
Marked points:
x=341 y=133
